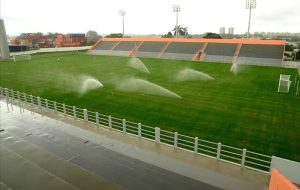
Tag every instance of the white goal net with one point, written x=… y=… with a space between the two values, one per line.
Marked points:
x=284 y=83
x=21 y=57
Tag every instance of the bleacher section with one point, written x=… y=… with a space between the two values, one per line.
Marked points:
x=182 y=50
x=104 y=48
x=124 y=48
x=241 y=51
x=150 y=49
x=268 y=55
x=224 y=53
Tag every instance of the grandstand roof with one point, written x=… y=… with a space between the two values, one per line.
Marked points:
x=203 y=40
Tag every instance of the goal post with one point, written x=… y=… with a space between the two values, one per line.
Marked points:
x=21 y=57
x=284 y=83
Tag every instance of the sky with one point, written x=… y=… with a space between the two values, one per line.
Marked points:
x=147 y=16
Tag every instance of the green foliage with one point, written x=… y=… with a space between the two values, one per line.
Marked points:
x=168 y=35
x=212 y=35
x=243 y=110
x=182 y=31
x=116 y=35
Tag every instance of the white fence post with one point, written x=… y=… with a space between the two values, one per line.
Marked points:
x=109 y=122
x=219 y=151
x=124 y=125
x=31 y=100
x=97 y=118
x=6 y=93
x=64 y=109
x=139 y=130
x=39 y=102
x=19 y=99
x=12 y=94
x=196 y=145
x=46 y=105
x=244 y=157
x=25 y=98
x=74 y=112
x=157 y=134
x=175 y=139
x=55 y=106
x=85 y=115
x=18 y=95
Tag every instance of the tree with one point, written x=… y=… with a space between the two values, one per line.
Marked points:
x=289 y=47
x=212 y=35
x=116 y=35
x=168 y=35
x=182 y=31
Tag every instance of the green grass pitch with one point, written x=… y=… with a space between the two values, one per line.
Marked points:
x=243 y=110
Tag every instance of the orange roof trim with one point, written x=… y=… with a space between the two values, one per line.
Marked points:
x=225 y=41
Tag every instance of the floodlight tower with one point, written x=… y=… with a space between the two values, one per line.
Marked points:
x=176 y=9
x=4 y=51
x=250 y=4
x=122 y=13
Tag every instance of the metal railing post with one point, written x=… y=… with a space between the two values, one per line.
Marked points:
x=25 y=97
x=124 y=125
x=97 y=118
x=18 y=95
x=139 y=130
x=12 y=94
x=55 y=106
x=109 y=122
x=175 y=139
x=46 y=104
x=19 y=99
x=31 y=100
x=6 y=93
x=64 y=109
x=74 y=112
x=244 y=157
x=85 y=115
x=219 y=151
x=157 y=134
x=196 y=145
x=39 y=102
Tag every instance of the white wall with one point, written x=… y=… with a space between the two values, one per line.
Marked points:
x=288 y=168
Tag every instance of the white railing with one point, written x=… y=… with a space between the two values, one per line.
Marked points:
x=219 y=151
x=46 y=50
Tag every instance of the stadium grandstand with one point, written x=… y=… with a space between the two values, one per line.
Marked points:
x=241 y=51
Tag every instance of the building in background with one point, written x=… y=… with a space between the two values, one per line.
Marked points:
x=70 y=40
x=222 y=30
x=231 y=30
x=32 y=40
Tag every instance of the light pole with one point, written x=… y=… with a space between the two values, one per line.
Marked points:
x=176 y=9
x=122 y=13
x=250 y=4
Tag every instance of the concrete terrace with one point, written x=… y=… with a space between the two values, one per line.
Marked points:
x=45 y=150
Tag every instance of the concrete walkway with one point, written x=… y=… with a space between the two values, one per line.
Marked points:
x=185 y=169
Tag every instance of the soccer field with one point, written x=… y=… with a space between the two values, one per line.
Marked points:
x=241 y=110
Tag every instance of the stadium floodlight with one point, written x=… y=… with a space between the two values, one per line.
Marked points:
x=250 y=4
x=176 y=9
x=122 y=13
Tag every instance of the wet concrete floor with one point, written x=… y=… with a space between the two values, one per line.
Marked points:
x=39 y=152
